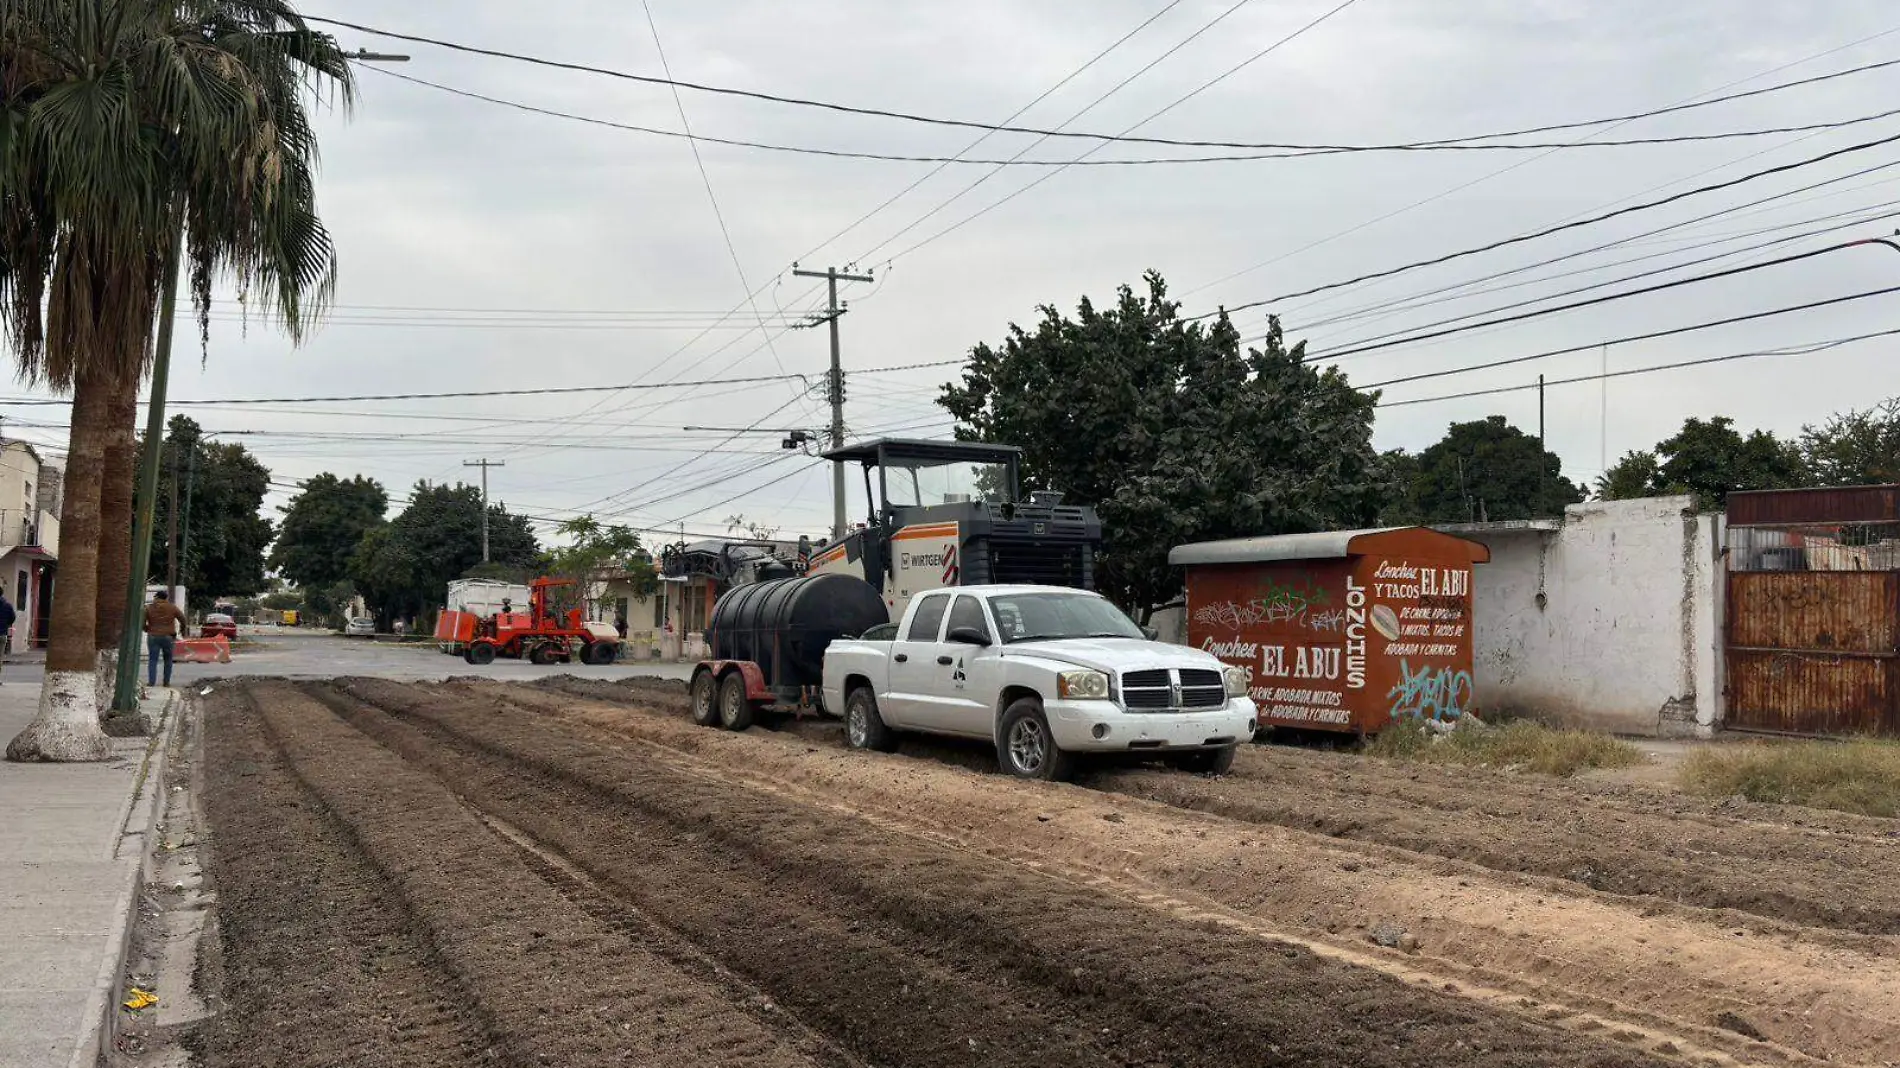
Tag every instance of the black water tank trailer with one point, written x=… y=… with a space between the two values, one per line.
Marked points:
x=785 y=625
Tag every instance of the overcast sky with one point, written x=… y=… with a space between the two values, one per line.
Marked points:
x=449 y=211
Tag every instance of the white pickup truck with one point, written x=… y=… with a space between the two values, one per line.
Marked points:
x=1045 y=673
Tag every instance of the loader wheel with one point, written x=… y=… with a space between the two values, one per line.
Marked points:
x=481 y=654
x=605 y=653
x=544 y=654
x=705 y=699
x=735 y=710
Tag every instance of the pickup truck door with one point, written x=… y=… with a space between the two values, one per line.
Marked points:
x=974 y=672
x=910 y=700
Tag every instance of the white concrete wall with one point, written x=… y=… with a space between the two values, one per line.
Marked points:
x=1626 y=635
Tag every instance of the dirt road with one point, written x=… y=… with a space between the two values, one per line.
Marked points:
x=573 y=874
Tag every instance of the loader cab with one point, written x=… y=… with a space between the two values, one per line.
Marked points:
x=950 y=513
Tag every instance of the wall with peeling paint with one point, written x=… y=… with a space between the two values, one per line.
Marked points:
x=1610 y=621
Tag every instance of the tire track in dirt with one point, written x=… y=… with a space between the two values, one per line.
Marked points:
x=320 y=961
x=556 y=985
x=1829 y=994
x=1805 y=867
x=1774 y=871
x=1206 y=993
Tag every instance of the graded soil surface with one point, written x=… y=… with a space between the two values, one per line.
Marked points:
x=572 y=873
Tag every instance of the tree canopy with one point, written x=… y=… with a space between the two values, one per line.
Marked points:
x=222 y=533
x=403 y=568
x=1172 y=430
x=1708 y=459
x=321 y=529
x=1482 y=470
x=1854 y=448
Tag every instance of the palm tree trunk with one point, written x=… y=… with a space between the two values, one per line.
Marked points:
x=67 y=726
x=115 y=531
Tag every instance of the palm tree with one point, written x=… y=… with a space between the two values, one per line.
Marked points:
x=125 y=124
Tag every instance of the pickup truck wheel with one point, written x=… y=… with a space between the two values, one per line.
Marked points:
x=1207 y=761
x=863 y=727
x=735 y=711
x=1026 y=749
x=705 y=699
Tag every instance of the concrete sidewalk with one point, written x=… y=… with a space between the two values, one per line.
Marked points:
x=74 y=840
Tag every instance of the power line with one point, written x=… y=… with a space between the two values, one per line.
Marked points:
x=1191 y=94
x=1440 y=195
x=885 y=113
x=1731 y=320
x=1474 y=143
x=512 y=392
x=1798 y=350
x=1561 y=227
x=1412 y=339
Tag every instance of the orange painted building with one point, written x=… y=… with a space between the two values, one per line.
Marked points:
x=1342 y=630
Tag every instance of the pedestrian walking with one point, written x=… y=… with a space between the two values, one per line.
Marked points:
x=7 y=616
x=162 y=623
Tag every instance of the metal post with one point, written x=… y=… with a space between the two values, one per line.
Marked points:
x=835 y=389
x=171 y=526
x=484 y=463
x=1541 y=450
x=184 y=537
x=125 y=690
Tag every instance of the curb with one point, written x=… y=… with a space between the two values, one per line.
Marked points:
x=100 y=1024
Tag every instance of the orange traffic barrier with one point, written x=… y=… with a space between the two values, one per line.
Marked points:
x=202 y=650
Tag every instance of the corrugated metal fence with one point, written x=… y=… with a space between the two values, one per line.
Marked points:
x=1813 y=611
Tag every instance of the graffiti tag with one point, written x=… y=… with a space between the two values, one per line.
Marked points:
x=1436 y=693
x=1329 y=622
x=1276 y=603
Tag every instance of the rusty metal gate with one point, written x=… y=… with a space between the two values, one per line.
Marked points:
x=1813 y=611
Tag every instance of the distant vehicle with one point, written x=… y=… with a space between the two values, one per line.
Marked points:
x=360 y=627
x=290 y=617
x=218 y=625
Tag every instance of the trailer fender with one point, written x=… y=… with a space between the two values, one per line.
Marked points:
x=755 y=688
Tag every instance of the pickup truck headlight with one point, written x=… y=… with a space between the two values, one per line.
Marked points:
x=1082 y=686
x=1236 y=682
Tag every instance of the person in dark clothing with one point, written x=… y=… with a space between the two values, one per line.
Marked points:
x=7 y=616
x=620 y=625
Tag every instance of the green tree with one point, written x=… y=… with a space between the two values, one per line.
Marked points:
x=404 y=567
x=1710 y=459
x=594 y=552
x=1637 y=474
x=1487 y=470
x=1854 y=448
x=122 y=123
x=322 y=527
x=1172 y=431
x=219 y=492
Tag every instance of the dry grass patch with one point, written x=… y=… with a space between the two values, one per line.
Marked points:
x=1520 y=745
x=1860 y=776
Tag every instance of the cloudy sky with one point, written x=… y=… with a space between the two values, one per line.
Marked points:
x=485 y=247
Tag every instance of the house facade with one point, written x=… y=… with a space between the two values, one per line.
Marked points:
x=30 y=492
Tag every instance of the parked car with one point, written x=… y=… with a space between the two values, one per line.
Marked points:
x=1046 y=674
x=218 y=625
x=360 y=627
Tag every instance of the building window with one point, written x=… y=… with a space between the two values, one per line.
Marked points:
x=659 y=611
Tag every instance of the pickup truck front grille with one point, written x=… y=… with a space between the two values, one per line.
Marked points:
x=1162 y=689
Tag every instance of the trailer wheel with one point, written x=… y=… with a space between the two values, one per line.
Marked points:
x=735 y=710
x=481 y=654
x=1026 y=749
x=705 y=699
x=863 y=727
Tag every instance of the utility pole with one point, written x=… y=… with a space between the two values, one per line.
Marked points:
x=484 y=463
x=191 y=476
x=171 y=525
x=835 y=389
x=1541 y=452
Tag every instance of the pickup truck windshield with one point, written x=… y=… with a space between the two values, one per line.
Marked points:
x=1037 y=617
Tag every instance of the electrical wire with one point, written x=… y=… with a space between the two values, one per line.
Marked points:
x=1412 y=339
x=1562 y=227
x=1475 y=143
x=1750 y=317
x=884 y=113
x=1797 y=350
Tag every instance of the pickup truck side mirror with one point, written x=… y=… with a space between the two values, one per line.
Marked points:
x=1151 y=634
x=967 y=636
